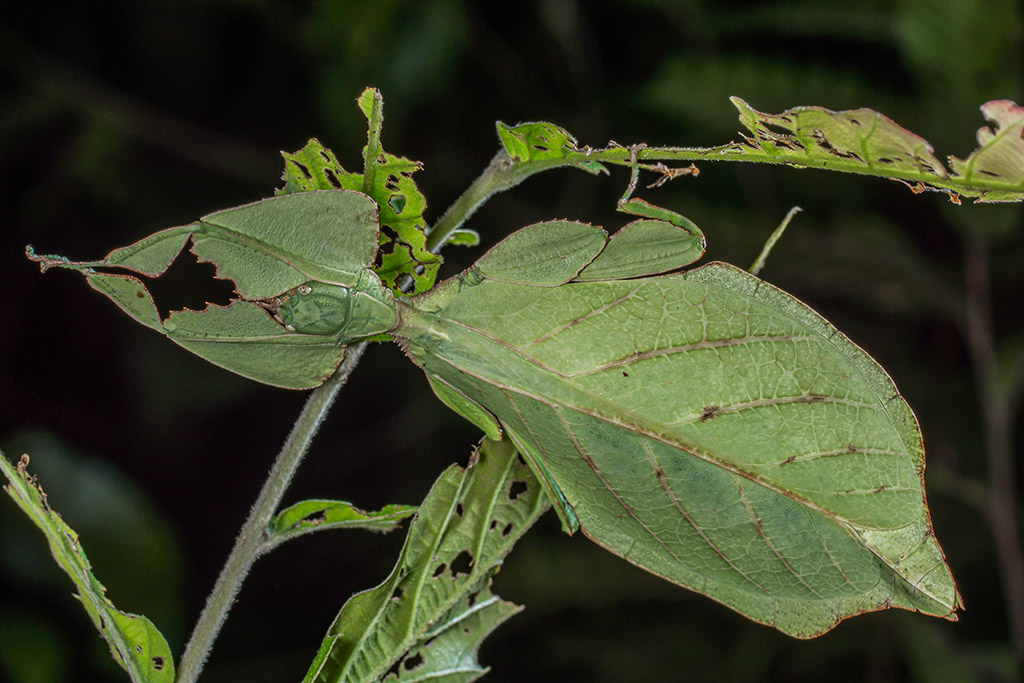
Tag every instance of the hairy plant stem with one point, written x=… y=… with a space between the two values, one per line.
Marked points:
x=997 y=418
x=251 y=540
x=500 y=174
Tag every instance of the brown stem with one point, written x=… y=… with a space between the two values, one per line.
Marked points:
x=997 y=418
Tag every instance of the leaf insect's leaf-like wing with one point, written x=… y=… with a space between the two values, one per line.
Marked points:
x=545 y=254
x=273 y=245
x=708 y=428
x=135 y=643
x=300 y=265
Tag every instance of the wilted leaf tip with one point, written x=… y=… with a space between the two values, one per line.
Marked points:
x=867 y=142
x=999 y=160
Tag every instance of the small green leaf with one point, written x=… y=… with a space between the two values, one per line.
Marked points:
x=317 y=515
x=541 y=141
x=366 y=101
x=429 y=604
x=463 y=237
x=135 y=643
x=314 y=167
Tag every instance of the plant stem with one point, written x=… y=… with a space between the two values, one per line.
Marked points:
x=501 y=174
x=250 y=542
x=762 y=258
x=997 y=417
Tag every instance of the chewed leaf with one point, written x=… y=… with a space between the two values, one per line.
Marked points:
x=448 y=652
x=402 y=248
x=541 y=141
x=388 y=180
x=317 y=515
x=438 y=593
x=134 y=641
x=403 y=242
x=1000 y=158
x=314 y=167
x=866 y=142
x=857 y=138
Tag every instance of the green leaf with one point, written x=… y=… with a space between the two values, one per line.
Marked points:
x=388 y=180
x=436 y=606
x=860 y=139
x=706 y=426
x=318 y=515
x=463 y=237
x=448 y=652
x=135 y=643
x=541 y=141
x=314 y=167
x=865 y=142
x=999 y=161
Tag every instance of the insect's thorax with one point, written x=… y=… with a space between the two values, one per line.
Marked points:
x=319 y=308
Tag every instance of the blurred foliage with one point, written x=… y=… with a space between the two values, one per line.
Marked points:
x=119 y=120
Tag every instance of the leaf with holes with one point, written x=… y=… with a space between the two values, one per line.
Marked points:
x=447 y=653
x=135 y=643
x=998 y=164
x=319 y=515
x=314 y=167
x=388 y=180
x=433 y=610
x=868 y=143
x=541 y=141
x=704 y=425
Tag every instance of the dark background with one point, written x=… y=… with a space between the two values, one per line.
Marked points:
x=121 y=118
